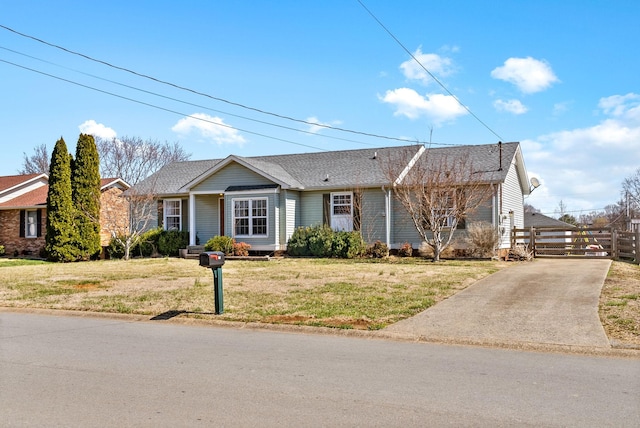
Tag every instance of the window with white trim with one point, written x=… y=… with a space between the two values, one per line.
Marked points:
x=31 y=224
x=250 y=217
x=342 y=211
x=173 y=214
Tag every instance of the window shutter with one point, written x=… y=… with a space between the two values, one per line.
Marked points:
x=39 y=222
x=357 y=199
x=22 y=222
x=184 y=222
x=160 y=214
x=326 y=209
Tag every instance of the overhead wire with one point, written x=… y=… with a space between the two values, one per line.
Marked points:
x=196 y=92
x=157 y=107
x=182 y=101
x=429 y=72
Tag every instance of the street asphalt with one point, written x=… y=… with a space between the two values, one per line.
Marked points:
x=545 y=302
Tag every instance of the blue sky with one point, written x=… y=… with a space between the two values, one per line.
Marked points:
x=561 y=77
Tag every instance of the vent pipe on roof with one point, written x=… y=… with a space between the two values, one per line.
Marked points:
x=375 y=155
x=326 y=178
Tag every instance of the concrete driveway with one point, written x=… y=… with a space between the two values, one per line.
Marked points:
x=544 y=302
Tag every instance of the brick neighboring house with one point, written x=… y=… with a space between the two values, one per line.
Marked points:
x=23 y=211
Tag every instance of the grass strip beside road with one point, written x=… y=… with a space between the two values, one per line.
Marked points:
x=356 y=294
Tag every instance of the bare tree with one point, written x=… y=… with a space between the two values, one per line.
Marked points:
x=438 y=192
x=531 y=209
x=126 y=230
x=133 y=159
x=37 y=163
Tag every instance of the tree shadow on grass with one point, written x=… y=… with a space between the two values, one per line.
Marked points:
x=172 y=314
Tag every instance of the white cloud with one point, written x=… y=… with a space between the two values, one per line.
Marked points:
x=437 y=107
x=528 y=74
x=208 y=128
x=585 y=167
x=98 y=130
x=319 y=126
x=621 y=106
x=437 y=65
x=511 y=106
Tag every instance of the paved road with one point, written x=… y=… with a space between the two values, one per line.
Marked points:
x=92 y=372
x=548 y=301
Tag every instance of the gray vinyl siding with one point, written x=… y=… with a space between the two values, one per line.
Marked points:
x=311 y=208
x=402 y=227
x=512 y=197
x=231 y=175
x=291 y=213
x=207 y=218
x=372 y=215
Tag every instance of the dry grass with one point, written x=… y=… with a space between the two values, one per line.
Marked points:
x=338 y=293
x=620 y=303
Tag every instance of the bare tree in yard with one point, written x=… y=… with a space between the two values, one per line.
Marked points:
x=141 y=206
x=133 y=159
x=37 y=163
x=438 y=192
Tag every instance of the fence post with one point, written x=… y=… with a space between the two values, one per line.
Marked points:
x=614 y=243
x=636 y=242
x=532 y=240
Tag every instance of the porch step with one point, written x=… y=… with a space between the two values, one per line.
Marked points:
x=192 y=251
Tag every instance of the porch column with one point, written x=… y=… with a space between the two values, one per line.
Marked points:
x=387 y=216
x=192 y=219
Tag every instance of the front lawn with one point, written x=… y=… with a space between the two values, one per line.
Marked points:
x=360 y=294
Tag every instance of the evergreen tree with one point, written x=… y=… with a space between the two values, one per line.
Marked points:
x=85 y=185
x=59 y=239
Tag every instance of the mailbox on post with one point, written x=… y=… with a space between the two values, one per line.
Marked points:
x=214 y=261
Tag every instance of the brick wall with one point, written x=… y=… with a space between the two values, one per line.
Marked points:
x=10 y=234
x=114 y=214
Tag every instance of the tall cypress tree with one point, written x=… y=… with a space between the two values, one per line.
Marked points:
x=85 y=185
x=59 y=240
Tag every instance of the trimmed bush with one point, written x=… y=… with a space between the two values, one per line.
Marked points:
x=115 y=248
x=170 y=242
x=147 y=244
x=378 y=250
x=241 y=249
x=1 y=250
x=220 y=243
x=322 y=241
x=406 y=250
x=298 y=245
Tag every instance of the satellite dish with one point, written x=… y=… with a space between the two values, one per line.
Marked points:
x=535 y=183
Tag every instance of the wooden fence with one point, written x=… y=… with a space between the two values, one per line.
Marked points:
x=579 y=242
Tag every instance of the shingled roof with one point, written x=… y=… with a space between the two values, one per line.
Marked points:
x=326 y=170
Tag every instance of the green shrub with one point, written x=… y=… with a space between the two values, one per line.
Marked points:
x=298 y=244
x=115 y=248
x=1 y=250
x=321 y=241
x=147 y=244
x=220 y=243
x=378 y=250
x=170 y=241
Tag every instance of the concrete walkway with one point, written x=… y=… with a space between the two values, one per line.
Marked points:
x=547 y=301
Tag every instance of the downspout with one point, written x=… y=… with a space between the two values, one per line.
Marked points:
x=387 y=215
x=192 y=219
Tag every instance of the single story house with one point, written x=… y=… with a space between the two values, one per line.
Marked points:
x=541 y=222
x=261 y=200
x=23 y=211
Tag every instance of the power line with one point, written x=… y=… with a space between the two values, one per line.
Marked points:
x=429 y=73
x=156 y=106
x=181 y=101
x=193 y=91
